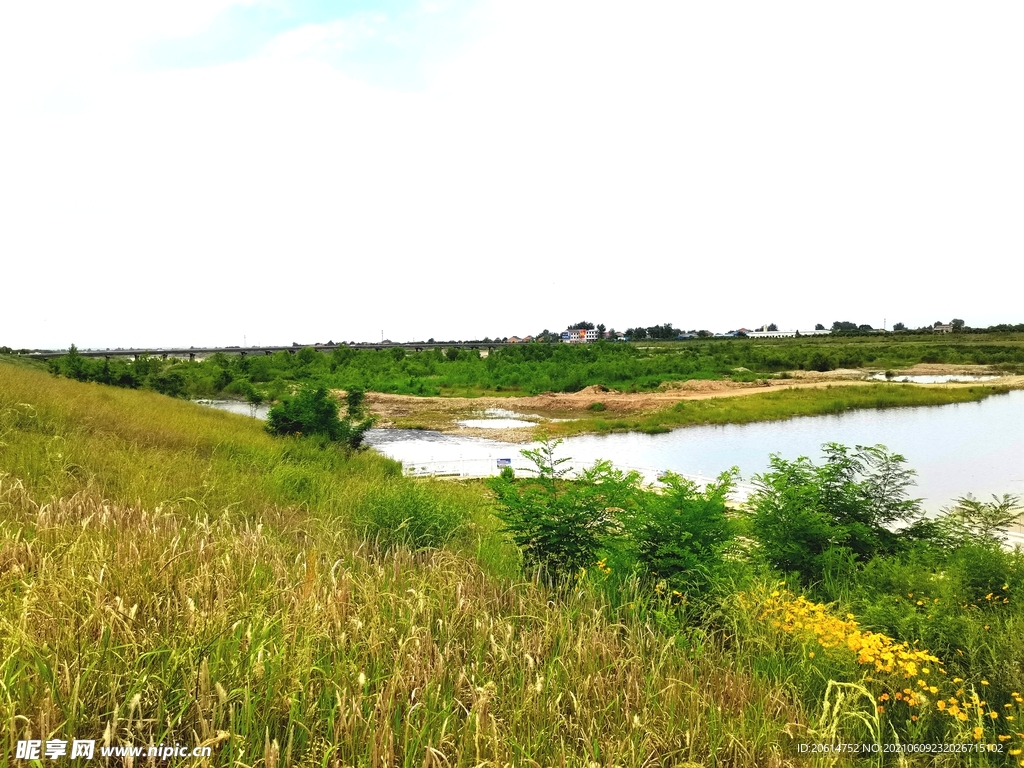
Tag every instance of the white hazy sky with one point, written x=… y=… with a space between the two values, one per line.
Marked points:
x=206 y=171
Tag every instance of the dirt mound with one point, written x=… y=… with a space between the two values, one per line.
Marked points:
x=596 y=389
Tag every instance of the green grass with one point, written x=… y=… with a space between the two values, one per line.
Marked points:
x=535 y=368
x=170 y=573
x=783 y=404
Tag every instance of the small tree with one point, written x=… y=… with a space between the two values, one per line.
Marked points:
x=680 y=535
x=313 y=412
x=772 y=327
x=970 y=521
x=559 y=525
x=802 y=511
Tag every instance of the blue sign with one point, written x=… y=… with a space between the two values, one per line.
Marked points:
x=504 y=462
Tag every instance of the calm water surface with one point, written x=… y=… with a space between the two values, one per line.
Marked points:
x=956 y=449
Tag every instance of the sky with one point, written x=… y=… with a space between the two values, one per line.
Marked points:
x=227 y=172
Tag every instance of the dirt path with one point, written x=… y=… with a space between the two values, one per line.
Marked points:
x=444 y=413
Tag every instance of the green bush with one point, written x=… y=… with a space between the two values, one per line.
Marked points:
x=800 y=510
x=680 y=536
x=313 y=412
x=558 y=525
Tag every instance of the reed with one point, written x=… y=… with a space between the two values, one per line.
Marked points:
x=173 y=574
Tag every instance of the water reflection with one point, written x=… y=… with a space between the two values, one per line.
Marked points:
x=929 y=378
x=956 y=449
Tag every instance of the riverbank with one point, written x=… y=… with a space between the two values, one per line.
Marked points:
x=599 y=410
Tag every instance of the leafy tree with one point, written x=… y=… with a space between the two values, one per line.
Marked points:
x=802 y=511
x=72 y=365
x=957 y=324
x=680 y=536
x=819 y=327
x=170 y=383
x=970 y=521
x=843 y=325
x=561 y=526
x=307 y=355
x=313 y=412
x=899 y=327
x=600 y=330
x=772 y=327
x=355 y=403
x=583 y=325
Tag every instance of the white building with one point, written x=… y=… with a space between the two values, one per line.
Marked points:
x=784 y=334
x=579 y=335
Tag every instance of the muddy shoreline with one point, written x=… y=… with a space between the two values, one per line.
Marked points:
x=444 y=413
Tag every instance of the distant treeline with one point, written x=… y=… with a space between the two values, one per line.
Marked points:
x=530 y=368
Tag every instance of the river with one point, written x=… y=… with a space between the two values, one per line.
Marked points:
x=955 y=449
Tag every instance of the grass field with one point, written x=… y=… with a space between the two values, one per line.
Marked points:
x=525 y=369
x=773 y=406
x=172 y=574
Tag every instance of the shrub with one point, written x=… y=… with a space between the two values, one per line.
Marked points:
x=680 y=536
x=853 y=500
x=970 y=521
x=560 y=526
x=313 y=412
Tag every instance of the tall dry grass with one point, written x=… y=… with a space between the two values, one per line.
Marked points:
x=172 y=574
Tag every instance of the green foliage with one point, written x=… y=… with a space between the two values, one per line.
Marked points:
x=680 y=535
x=561 y=526
x=534 y=368
x=970 y=521
x=170 y=382
x=313 y=412
x=416 y=515
x=801 y=511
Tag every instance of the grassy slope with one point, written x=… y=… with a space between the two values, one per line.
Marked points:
x=783 y=404
x=171 y=573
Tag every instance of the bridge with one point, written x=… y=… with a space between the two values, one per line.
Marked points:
x=193 y=352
